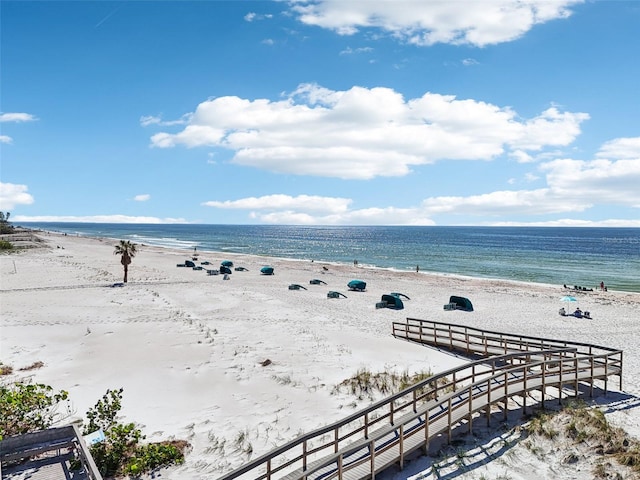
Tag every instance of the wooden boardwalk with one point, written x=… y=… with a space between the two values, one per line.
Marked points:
x=383 y=434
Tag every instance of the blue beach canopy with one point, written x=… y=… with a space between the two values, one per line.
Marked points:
x=227 y=263
x=266 y=270
x=357 y=285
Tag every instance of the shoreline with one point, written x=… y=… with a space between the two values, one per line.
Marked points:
x=189 y=348
x=363 y=266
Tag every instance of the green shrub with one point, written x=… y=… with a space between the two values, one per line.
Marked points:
x=28 y=407
x=5 y=245
x=120 y=452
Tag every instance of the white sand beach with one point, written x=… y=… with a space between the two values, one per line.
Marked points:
x=189 y=348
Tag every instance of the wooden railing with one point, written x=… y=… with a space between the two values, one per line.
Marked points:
x=384 y=433
x=484 y=343
x=30 y=445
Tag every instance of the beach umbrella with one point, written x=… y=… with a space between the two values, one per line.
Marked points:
x=568 y=298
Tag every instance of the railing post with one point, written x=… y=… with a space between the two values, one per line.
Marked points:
x=620 y=374
x=372 y=450
x=506 y=394
x=560 y=386
x=544 y=379
x=488 y=402
x=391 y=413
x=340 y=467
x=304 y=455
x=449 y=420
x=401 y=446
x=575 y=368
x=426 y=433
x=470 y=409
x=366 y=425
x=525 y=375
x=335 y=440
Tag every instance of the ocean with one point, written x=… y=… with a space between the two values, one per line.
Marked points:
x=551 y=255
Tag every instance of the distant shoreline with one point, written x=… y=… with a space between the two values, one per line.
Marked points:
x=341 y=265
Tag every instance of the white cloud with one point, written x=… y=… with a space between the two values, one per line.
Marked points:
x=285 y=202
x=6 y=139
x=252 y=16
x=363 y=133
x=621 y=148
x=147 y=120
x=597 y=181
x=17 y=117
x=97 y=219
x=12 y=194
x=353 y=51
x=572 y=186
x=552 y=127
x=467 y=62
x=424 y=23
x=142 y=198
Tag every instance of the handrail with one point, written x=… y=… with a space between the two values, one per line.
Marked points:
x=18 y=447
x=542 y=363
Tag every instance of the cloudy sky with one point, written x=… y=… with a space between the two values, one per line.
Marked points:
x=394 y=112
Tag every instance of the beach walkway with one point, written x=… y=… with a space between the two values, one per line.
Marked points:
x=503 y=367
x=47 y=455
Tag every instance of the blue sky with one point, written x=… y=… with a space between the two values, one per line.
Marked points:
x=322 y=112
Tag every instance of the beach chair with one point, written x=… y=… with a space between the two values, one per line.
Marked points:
x=335 y=295
x=295 y=286
x=315 y=281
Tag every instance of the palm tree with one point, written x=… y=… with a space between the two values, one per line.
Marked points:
x=127 y=251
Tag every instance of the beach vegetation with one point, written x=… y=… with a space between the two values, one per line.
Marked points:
x=6 y=245
x=589 y=427
x=5 y=226
x=366 y=384
x=120 y=453
x=28 y=407
x=127 y=251
x=33 y=366
x=5 y=369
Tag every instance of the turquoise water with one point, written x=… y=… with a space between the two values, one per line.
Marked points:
x=572 y=256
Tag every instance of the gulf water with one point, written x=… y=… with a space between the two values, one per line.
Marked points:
x=562 y=255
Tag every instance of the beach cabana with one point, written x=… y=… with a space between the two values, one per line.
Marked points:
x=224 y=269
x=227 y=263
x=189 y=263
x=392 y=301
x=357 y=285
x=266 y=270
x=459 y=303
